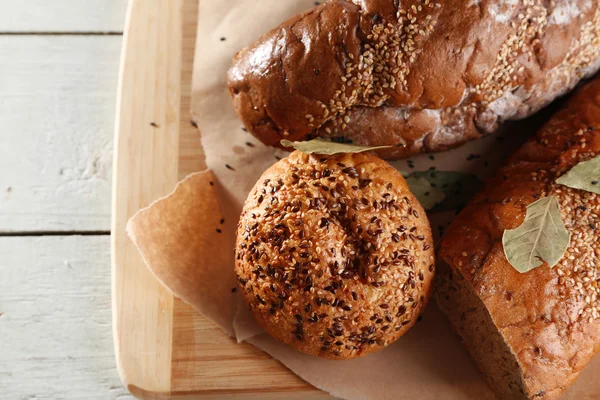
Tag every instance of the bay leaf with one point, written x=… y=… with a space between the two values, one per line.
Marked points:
x=450 y=190
x=584 y=176
x=429 y=196
x=321 y=146
x=541 y=237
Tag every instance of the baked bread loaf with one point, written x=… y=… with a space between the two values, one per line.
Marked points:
x=334 y=254
x=425 y=74
x=531 y=334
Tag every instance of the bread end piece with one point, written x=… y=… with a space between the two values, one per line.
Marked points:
x=470 y=319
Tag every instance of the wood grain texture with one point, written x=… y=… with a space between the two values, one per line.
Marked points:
x=57 y=118
x=55 y=333
x=204 y=362
x=62 y=15
x=146 y=165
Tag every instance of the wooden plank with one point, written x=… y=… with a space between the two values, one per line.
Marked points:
x=146 y=167
x=57 y=117
x=208 y=364
x=55 y=331
x=62 y=15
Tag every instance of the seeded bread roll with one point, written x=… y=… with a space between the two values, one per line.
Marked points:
x=428 y=75
x=531 y=334
x=334 y=254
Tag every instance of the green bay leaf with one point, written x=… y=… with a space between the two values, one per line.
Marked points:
x=449 y=190
x=321 y=146
x=541 y=237
x=584 y=176
x=429 y=196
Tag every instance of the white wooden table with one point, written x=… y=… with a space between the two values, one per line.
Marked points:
x=59 y=62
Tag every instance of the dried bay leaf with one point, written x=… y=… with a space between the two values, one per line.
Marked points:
x=321 y=146
x=584 y=176
x=541 y=237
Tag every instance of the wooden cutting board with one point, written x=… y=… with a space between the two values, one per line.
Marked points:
x=164 y=349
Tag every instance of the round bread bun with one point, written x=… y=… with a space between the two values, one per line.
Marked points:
x=334 y=254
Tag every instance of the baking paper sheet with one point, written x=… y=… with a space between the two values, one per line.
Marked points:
x=187 y=238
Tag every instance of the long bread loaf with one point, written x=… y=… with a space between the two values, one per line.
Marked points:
x=424 y=75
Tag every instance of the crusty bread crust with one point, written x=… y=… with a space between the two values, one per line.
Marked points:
x=429 y=75
x=334 y=254
x=548 y=317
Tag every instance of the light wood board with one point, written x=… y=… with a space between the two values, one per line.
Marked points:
x=164 y=348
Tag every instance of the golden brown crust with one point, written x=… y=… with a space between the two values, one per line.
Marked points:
x=334 y=254
x=430 y=75
x=548 y=317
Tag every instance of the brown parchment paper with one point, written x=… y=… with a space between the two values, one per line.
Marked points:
x=187 y=238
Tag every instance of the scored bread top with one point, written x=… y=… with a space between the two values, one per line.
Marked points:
x=334 y=254
x=430 y=75
x=549 y=317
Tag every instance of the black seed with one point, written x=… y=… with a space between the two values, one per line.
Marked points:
x=219 y=231
x=401 y=311
x=233 y=290
x=260 y=300
x=354 y=296
x=362 y=183
x=384 y=306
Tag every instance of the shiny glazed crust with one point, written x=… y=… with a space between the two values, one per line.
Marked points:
x=429 y=75
x=334 y=255
x=548 y=320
